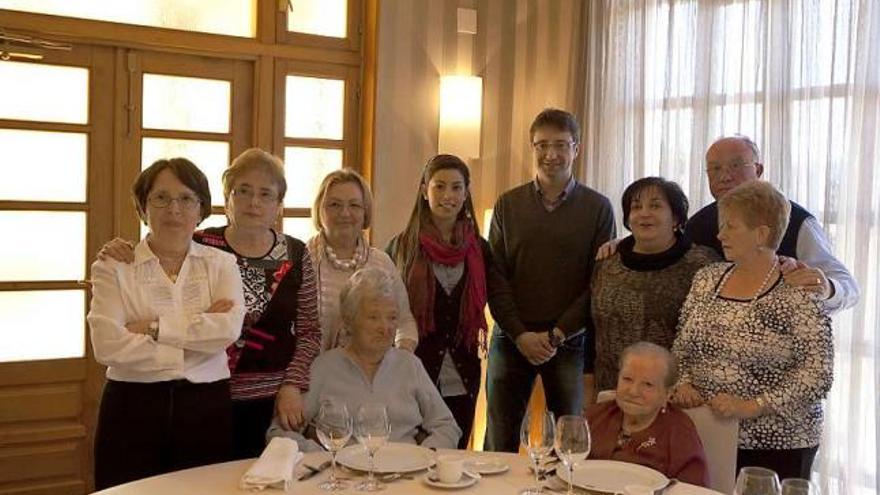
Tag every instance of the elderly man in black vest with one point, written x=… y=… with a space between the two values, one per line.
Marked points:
x=731 y=161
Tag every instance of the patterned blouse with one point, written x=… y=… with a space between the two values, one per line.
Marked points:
x=258 y=277
x=778 y=347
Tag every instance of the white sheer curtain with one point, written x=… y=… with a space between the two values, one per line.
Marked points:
x=802 y=77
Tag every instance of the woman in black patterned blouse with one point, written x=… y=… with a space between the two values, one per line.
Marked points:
x=753 y=347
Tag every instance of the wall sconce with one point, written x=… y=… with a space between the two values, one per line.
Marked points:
x=461 y=104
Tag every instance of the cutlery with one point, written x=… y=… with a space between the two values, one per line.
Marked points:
x=313 y=470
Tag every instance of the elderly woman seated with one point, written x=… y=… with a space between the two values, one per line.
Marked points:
x=640 y=427
x=369 y=369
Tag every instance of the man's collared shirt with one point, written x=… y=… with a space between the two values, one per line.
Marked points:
x=552 y=203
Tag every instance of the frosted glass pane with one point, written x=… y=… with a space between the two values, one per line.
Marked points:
x=44 y=324
x=26 y=252
x=304 y=169
x=42 y=166
x=186 y=103
x=212 y=158
x=49 y=93
x=321 y=17
x=232 y=17
x=301 y=228
x=314 y=107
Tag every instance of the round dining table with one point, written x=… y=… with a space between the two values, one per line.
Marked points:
x=224 y=478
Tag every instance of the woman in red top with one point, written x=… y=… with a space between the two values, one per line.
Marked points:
x=640 y=427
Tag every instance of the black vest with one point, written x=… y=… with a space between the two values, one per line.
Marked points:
x=702 y=228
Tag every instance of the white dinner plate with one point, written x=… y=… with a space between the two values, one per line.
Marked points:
x=391 y=458
x=611 y=476
x=486 y=465
x=464 y=482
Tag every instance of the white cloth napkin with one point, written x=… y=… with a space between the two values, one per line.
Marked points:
x=274 y=468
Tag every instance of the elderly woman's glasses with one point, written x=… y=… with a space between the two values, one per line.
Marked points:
x=733 y=167
x=249 y=194
x=185 y=201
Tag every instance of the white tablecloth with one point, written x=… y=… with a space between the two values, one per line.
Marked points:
x=222 y=479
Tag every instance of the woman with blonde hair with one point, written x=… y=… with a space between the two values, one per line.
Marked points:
x=343 y=209
x=753 y=347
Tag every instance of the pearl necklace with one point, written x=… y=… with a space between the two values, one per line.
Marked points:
x=339 y=264
x=760 y=287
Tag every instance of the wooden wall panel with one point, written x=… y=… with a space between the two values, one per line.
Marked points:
x=35 y=403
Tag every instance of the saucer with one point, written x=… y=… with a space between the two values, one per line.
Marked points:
x=486 y=465
x=464 y=482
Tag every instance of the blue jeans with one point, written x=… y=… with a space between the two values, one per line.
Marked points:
x=509 y=381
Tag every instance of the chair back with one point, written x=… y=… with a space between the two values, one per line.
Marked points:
x=719 y=437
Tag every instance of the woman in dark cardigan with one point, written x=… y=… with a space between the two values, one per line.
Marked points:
x=444 y=261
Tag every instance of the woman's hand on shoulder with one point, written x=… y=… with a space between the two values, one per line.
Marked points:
x=117 y=249
x=686 y=396
x=407 y=345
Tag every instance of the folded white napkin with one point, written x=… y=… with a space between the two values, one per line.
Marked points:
x=274 y=468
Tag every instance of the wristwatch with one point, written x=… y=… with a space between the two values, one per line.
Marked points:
x=154 y=330
x=556 y=339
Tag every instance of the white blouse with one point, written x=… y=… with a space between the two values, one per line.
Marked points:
x=191 y=344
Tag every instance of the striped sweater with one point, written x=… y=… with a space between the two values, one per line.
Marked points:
x=260 y=277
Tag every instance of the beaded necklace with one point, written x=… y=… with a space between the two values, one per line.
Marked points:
x=356 y=260
x=760 y=287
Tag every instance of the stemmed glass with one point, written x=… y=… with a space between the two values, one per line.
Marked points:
x=334 y=430
x=799 y=486
x=572 y=442
x=538 y=440
x=372 y=430
x=757 y=481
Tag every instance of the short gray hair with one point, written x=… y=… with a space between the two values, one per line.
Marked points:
x=653 y=350
x=746 y=140
x=364 y=282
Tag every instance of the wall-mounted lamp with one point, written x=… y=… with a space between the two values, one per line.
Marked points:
x=461 y=103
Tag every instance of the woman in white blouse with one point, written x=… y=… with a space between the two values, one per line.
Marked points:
x=161 y=326
x=343 y=209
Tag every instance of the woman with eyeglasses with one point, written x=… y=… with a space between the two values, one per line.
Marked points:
x=281 y=334
x=343 y=209
x=161 y=325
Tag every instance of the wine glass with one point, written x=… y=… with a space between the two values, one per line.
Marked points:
x=799 y=486
x=334 y=429
x=572 y=442
x=372 y=430
x=537 y=438
x=757 y=481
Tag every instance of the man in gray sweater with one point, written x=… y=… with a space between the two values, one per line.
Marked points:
x=544 y=237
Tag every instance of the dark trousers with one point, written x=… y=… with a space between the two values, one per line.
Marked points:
x=509 y=382
x=250 y=420
x=462 y=408
x=789 y=463
x=145 y=429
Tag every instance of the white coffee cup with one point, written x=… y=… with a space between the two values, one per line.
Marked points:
x=449 y=468
x=638 y=490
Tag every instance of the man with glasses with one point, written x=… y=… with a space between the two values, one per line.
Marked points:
x=544 y=236
x=731 y=161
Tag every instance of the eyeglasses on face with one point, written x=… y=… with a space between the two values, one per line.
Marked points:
x=184 y=201
x=732 y=167
x=249 y=193
x=557 y=146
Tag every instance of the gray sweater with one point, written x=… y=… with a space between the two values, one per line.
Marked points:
x=545 y=258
